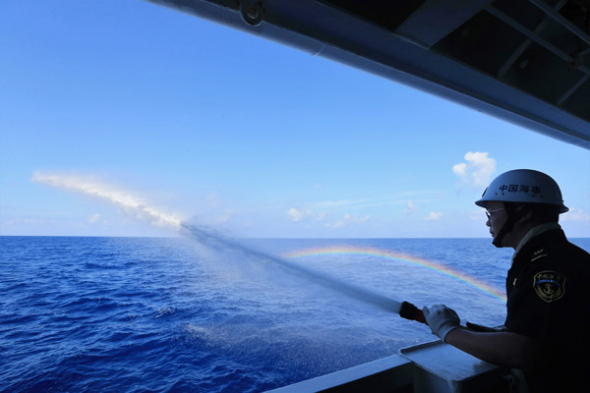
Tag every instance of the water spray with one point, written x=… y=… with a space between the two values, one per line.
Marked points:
x=136 y=207
x=404 y=309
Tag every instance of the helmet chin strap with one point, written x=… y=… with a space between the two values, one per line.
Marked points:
x=506 y=228
x=512 y=217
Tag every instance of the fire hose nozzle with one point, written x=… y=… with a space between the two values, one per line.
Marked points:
x=409 y=311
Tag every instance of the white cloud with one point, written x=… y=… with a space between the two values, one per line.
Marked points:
x=340 y=203
x=337 y=224
x=575 y=215
x=410 y=208
x=460 y=170
x=94 y=218
x=306 y=214
x=366 y=202
x=355 y=218
x=433 y=216
x=348 y=219
x=296 y=215
x=477 y=170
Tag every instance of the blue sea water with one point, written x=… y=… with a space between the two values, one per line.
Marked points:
x=168 y=315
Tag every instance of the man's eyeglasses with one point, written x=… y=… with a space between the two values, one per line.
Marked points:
x=490 y=212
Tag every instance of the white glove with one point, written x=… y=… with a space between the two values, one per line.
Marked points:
x=441 y=320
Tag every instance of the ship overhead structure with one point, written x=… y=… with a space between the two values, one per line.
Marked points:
x=526 y=61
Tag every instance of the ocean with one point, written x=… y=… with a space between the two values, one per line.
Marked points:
x=99 y=314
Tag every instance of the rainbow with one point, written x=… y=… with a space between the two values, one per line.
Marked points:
x=399 y=257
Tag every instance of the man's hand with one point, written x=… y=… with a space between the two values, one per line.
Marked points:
x=441 y=320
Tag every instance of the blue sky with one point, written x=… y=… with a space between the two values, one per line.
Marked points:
x=235 y=132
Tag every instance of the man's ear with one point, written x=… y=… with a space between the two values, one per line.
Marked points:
x=525 y=214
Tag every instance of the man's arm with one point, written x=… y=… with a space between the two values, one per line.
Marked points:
x=502 y=348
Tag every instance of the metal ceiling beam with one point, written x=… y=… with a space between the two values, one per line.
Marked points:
x=562 y=20
x=536 y=38
x=344 y=37
x=435 y=19
x=520 y=50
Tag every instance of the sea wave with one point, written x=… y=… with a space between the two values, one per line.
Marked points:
x=159 y=315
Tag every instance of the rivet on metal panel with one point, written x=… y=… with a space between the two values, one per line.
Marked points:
x=252 y=12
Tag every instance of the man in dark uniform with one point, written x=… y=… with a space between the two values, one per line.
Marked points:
x=547 y=328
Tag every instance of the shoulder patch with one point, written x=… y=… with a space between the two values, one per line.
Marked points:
x=549 y=285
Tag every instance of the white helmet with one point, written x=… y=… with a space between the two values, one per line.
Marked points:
x=523 y=186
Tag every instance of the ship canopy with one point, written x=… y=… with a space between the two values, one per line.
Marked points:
x=527 y=62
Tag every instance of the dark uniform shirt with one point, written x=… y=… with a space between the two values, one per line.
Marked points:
x=548 y=289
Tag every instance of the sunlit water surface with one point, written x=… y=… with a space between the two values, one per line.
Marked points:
x=167 y=315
